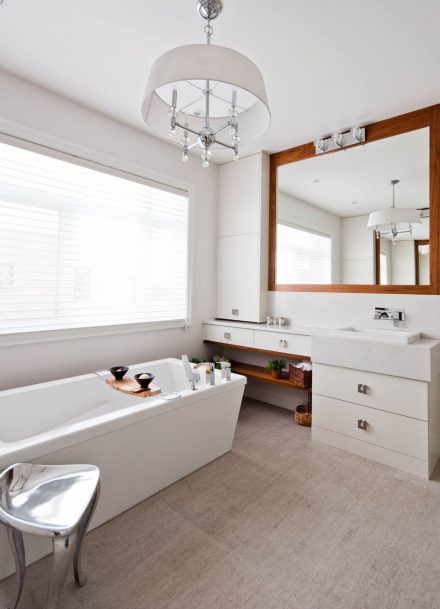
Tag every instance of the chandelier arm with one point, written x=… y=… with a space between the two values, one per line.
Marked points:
x=230 y=146
x=207 y=92
x=185 y=127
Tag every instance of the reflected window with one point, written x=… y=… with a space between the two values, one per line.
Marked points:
x=303 y=255
x=422 y=261
x=383 y=269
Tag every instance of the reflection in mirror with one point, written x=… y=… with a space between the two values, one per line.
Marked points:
x=328 y=208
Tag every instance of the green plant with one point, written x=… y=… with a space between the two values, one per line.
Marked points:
x=195 y=360
x=217 y=359
x=276 y=364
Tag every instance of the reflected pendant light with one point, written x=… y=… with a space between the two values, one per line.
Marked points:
x=211 y=95
x=388 y=222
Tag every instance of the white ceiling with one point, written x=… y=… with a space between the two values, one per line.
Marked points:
x=356 y=181
x=328 y=65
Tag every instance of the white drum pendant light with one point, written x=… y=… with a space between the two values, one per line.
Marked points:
x=210 y=96
x=388 y=222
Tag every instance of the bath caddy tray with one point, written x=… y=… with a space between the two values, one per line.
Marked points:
x=130 y=386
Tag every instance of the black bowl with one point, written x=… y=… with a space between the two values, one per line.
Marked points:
x=119 y=372
x=144 y=383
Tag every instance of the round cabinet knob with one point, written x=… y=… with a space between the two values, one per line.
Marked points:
x=362 y=424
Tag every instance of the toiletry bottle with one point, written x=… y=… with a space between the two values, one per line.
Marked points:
x=228 y=371
x=211 y=372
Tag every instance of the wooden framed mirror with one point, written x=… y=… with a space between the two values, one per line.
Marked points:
x=319 y=239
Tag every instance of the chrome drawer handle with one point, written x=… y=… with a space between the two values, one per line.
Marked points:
x=283 y=343
x=234 y=311
x=227 y=335
x=362 y=388
x=362 y=424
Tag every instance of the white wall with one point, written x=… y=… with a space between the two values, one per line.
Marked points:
x=48 y=118
x=358 y=253
x=403 y=268
x=339 y=310
x=299 y=212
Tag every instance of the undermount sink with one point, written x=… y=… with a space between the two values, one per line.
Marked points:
x=395 y=336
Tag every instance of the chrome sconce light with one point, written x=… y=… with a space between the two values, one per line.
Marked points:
x=340 y=139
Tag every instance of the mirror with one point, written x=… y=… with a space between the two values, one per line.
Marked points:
x=323 y=207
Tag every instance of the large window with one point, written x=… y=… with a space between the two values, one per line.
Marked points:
x=303 y=255
x=84 y=248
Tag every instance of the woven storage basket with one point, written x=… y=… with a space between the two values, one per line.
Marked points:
x=300 y=377
x=303 y=415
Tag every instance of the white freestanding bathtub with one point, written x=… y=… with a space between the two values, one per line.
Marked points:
x=140 y=445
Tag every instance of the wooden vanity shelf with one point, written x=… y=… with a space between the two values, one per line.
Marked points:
x=261 y=374
x=282 y=354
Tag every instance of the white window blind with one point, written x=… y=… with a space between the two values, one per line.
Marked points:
x=303 y=256
x=83 y=248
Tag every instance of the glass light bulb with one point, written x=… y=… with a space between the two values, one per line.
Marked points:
x=205 y=163
x=235 y=156
x=172 y=132
x=208 y=154
x=184 y=157
x=236 y=138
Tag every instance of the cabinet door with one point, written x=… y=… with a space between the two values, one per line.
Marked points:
x=240 y=197
x=238 y=278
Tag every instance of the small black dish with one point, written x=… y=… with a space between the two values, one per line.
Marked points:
x=144 y=383
x=119 y=372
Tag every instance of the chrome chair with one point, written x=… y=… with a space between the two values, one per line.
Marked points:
x=55 y=501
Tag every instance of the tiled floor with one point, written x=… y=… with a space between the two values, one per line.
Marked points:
x=278 y=523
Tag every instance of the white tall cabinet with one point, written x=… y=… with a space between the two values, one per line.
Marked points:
x=242 y=247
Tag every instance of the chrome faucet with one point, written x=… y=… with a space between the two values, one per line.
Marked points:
x=192 y=376
x=396 y=315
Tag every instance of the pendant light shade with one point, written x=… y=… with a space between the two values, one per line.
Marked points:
x=186 y=69
x=393 y=221
x=213 y=96
x=381 y=220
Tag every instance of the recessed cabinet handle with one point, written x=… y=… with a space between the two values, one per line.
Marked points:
x=283 y=343
x=227 y=335
x=362 y=424
x=362 y=388
x=234 y=311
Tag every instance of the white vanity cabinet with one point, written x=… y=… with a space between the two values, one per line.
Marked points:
x=243 y=239
x=386 y=418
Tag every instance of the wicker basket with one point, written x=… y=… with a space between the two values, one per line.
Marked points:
x=303 y=415
x=300 y=377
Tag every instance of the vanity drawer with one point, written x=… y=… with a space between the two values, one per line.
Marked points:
x=391 y=393
x=294 y=344
x=230 y=335
x=392 y=431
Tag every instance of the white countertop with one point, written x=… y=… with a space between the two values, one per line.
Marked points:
x=419 y=360
x=304 y=330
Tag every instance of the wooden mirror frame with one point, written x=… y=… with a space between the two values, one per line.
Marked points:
x=419 y=119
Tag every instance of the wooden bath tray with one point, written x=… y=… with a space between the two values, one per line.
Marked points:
x=132 y=387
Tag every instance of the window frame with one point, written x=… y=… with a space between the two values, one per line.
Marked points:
x=92 y=159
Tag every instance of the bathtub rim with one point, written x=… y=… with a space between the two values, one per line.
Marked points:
x=39 y=445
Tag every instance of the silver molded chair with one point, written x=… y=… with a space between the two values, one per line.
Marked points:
x=54 y=501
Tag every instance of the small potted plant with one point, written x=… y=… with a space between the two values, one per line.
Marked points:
x=276 y=366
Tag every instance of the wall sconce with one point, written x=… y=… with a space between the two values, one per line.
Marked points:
x=340 y=139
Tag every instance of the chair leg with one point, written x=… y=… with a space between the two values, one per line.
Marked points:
x=15 y=539
x=63 y=548
x=80 y=577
